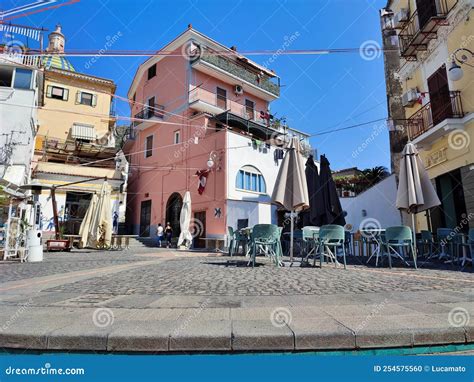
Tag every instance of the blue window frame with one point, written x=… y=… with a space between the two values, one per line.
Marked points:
x=250 y=179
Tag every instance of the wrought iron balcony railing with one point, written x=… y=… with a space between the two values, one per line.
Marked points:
x=422 y=27
x=429 y=116
x=260 y=80
x=158 y=111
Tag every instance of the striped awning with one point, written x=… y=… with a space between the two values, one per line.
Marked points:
x=83 y=132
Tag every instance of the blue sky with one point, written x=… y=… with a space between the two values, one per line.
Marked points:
x=319 y=93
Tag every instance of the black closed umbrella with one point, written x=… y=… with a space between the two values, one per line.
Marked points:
x=310 y=217
x=328 y=205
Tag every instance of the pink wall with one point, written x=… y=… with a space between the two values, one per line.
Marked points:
x=181 y=161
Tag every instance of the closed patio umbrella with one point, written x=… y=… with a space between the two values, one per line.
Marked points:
x=415 y=191
x=329 y=210
x=291 y=189
x=184 y=222
x=310 y=216
x=86 y=222
x=99 y=230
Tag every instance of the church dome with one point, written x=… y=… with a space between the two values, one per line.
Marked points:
x=58 y=62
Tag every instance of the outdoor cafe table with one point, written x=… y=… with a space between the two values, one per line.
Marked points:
x=374 y=236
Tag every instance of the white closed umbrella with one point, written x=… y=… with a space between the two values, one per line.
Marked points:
x=99 y=230
x=415 y=191
x=86 y=222
x=291 y=189
x=184 y=222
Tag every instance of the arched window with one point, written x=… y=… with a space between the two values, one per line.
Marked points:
x=250 y=179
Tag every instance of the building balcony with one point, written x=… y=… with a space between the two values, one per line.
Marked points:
x=147 y=116
x=208 y=102
x=422 y=27
x=237 y=73
x=19 y=59
x=431 y=122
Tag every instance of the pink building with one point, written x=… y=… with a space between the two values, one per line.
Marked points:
x=202 y=108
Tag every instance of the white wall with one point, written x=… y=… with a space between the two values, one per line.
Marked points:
x=257 y=213
x=379 y=204
x=21 y=122
x=246 y=204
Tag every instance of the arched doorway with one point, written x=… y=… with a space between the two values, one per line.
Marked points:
x=173 y=210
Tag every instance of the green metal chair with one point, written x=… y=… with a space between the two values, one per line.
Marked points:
x=310 y=242
x=266 y=238
x=444 y=240
x=426 y=241
x=236 y=238
x=468 y=242
x=231 y=233
x=331 y=236
x=398 y=237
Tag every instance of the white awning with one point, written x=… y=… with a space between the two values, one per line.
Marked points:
x=83 y=132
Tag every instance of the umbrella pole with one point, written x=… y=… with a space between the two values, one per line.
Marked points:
x=291 y=236
x=414 y=249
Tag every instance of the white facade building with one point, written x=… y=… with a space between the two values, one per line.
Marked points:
x=18 y=106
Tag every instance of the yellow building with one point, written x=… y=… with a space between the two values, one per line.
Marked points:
x=75 y=139
x=435 y=40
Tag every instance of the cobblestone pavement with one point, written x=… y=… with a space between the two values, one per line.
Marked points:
x=216 y=276
x=162 y=301
x=58 y=263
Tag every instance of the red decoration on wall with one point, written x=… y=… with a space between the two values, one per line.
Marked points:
x=202 y=174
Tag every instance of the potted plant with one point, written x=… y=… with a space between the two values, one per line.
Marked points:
x=60 y=243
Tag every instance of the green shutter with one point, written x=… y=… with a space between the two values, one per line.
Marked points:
x=49 y=91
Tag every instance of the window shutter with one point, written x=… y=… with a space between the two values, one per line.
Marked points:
x=65 y=94
x=78 y=97
x=94 y=100
x=49 y=91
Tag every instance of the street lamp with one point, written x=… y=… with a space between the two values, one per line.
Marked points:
x=455 y=71
x=213 y=159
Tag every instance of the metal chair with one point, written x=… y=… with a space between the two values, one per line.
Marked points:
x=426 y=241
x=331 y=236
x=266 y=238
x=310 y=242
x=468 y=241
x=236 y=238
x=398 y=237
x=444 y=238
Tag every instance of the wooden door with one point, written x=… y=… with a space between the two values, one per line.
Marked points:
x=426 y=10
x=199 y=229
x=145 y=218
x=440 y=98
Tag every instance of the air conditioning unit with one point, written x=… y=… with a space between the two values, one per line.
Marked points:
x=409 y=98
x=238 y=89
x=401 y=17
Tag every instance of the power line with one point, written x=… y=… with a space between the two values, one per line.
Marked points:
x=154 y=53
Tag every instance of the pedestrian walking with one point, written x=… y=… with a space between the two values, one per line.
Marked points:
x=159 y=234
x=168 y=234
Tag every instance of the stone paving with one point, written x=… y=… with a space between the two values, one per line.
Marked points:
x=164 y=301
x=219 y=277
